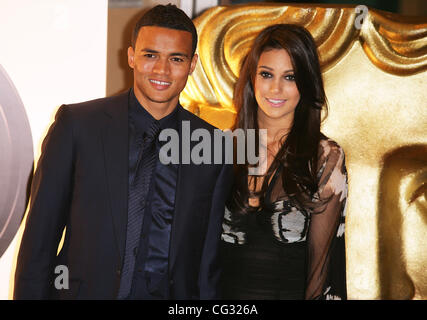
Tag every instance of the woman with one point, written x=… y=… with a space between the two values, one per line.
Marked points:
x=283 y=233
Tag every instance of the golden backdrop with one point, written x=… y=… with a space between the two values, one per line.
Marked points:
x=375 y=73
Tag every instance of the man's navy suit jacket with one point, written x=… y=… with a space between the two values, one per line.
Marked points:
x=81 y=184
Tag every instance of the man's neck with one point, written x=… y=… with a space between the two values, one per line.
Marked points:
x=158 y=110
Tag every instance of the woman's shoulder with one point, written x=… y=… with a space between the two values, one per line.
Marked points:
x=331 y=158
x=332 y=172
x=330 y=149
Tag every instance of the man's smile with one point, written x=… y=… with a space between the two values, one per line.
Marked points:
x=160 y=85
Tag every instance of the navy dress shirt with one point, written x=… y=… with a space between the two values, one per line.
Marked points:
x=150 y=280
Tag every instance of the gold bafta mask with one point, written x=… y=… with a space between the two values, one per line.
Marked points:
x=402 y=254
x=374 y=66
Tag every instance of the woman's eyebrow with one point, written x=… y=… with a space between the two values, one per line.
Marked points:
x=269 y=68
x=265 y=67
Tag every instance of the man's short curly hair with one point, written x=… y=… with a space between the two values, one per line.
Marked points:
x=166 y=16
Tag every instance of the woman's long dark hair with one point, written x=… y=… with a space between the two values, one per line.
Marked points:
x=297 y=157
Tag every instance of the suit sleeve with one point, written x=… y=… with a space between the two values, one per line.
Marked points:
x=49 y=206
x=210 y=268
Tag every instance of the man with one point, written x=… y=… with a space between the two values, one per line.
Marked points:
x=135 y=227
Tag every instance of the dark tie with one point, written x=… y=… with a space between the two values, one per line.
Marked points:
x=138 y=193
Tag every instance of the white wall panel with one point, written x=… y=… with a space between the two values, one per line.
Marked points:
x=55 y=52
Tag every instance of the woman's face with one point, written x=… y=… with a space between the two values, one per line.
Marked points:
x=276 y=92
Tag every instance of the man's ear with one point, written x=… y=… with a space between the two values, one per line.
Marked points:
x=131 y=57
x=193 y=63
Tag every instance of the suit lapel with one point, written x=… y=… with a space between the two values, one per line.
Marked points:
x=116 y=155
x=184 y=173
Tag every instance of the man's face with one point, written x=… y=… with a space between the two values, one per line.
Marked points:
x=161 y=62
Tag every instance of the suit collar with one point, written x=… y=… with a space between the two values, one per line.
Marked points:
x=117 y=106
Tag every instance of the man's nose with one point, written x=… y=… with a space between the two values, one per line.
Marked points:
x=161 y=66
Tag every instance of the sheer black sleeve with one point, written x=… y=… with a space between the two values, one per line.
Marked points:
x=326 y=270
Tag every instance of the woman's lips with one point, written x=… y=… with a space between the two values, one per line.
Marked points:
x=276 y=102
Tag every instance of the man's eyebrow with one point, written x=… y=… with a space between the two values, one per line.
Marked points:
x=179 y=54
x=171 y=54
x=149 y=50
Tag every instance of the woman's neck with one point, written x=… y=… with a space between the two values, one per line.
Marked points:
x=276 y=130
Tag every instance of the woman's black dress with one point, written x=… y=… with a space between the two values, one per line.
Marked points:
x=285 y=252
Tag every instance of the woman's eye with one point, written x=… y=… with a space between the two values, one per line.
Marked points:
x=265 y=74
x=290 y=77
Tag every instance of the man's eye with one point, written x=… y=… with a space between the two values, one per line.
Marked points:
x=177 y=59
x=149 y=55
x=265 y=74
